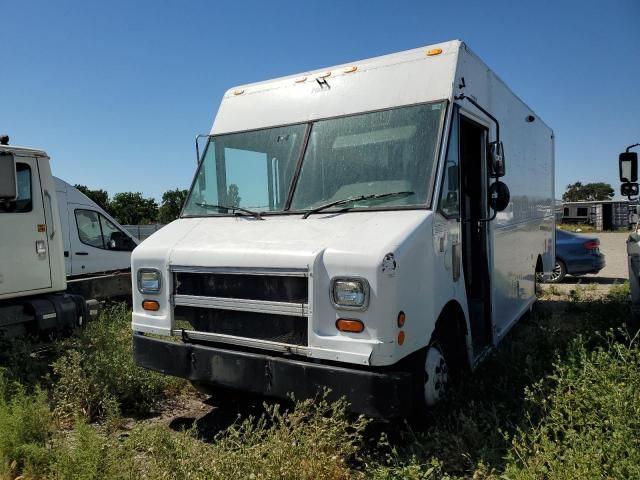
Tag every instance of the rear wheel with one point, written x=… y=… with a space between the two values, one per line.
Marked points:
x=558 y=273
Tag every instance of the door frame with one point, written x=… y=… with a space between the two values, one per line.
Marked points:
x=487 y=339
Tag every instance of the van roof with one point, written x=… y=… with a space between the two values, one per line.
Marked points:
x=419 y=75
x=361 y=65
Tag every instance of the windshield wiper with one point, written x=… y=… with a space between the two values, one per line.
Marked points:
x=371 y=196
x=257 y=215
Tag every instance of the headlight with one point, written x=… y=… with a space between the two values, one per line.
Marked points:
x=149 y=280
x=350 y=293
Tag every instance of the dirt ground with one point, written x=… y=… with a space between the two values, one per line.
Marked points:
x=614 y=247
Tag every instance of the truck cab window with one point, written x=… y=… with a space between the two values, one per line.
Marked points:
x=250 y=169
x=24 y=202
x=371 y=153
x=450 y=191
x=89 y=228
x=95 y=230
x=114 y=238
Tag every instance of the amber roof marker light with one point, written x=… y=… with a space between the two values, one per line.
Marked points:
x=432 y=52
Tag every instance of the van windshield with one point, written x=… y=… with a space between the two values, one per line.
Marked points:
x=364 y=155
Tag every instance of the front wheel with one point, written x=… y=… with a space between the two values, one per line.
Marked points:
x=435 y=377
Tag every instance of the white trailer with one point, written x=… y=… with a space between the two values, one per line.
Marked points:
x=44 y=225
x=342 y=231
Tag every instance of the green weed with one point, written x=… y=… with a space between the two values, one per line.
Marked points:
x=588 y=409
x=26 y=424
x=558 y=399
x=97 y=376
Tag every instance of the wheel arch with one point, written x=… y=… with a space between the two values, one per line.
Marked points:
x=539 y=265
x=452 y=328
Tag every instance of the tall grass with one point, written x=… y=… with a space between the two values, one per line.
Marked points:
x=26 y=424
x=96 y=376
x=559 y=399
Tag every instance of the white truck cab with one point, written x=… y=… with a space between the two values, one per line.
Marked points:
x=47 y=284
x=341 y=231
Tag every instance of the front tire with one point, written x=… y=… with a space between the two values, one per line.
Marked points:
x=435 y=375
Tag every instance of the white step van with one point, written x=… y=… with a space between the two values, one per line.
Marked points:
x=342 y=231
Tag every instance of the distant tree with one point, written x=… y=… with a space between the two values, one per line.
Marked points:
x=172 y=202
x=101 y=197
x=233 y=195
x=589 y=191
x=131 y=208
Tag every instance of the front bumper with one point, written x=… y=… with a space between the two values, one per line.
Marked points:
x=378 y=394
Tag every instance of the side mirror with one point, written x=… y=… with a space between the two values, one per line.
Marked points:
x=8 y=180
x=499 y=196
x=628 y=189
x=496 y=160
x=452 y=178
x=628 y=167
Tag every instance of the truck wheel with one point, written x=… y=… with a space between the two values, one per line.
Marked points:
x=435 y=376
x=558 y=273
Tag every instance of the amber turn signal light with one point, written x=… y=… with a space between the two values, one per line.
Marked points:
x=349 y=325
x=401 y=338
x=401 y=319
x=151 y=305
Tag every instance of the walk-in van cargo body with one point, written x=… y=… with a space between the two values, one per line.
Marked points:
x=370 y=228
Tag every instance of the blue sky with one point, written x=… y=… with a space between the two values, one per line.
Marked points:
x=116 y=91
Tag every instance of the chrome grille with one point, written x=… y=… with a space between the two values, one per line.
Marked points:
x=220 y=304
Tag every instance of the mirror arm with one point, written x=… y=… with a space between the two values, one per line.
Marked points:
x=495 y=212
x=491 y=218
x=631 y=146
x=462 y=96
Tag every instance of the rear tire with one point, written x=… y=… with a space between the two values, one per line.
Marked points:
x=558 y=273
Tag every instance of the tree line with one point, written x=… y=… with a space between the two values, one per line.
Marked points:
x=589 y=191
x=131 y=208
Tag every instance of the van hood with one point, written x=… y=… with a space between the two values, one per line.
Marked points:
x=285 y=241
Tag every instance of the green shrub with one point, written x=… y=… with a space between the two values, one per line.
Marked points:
x=26 y=425
x=316 y=440
x=589 y=417
x=97 y=375
x=89 y=453
x=20 y=362
x=619 y=292
x=558 y=399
